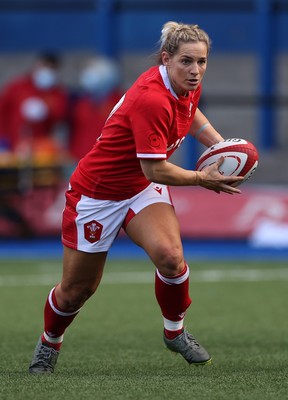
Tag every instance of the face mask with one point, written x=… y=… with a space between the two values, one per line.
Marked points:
x=99 y=78
x=45 y=78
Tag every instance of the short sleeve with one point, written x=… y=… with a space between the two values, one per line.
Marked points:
x=150 y=122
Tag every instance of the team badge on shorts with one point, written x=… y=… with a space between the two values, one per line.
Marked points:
x=92 y=231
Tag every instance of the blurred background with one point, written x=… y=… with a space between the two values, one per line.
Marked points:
x=65 y=63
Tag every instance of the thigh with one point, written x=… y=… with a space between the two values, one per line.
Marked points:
x=156 y=229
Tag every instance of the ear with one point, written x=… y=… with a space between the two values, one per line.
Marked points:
x=165 y=58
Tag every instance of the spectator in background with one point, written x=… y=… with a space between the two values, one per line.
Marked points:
x=99 y=83
x=32 y=107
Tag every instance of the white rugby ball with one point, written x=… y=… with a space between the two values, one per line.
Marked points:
x=240 y=158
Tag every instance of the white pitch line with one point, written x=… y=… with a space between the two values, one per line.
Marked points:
x=239 y=275
x=244 y=275
x=29 y=280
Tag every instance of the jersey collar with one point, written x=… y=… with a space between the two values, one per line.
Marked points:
x=165 y=77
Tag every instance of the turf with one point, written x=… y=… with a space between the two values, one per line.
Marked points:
x=114 y=348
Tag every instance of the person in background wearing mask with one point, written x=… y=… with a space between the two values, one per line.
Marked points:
x=32 y=106
x=99 y=84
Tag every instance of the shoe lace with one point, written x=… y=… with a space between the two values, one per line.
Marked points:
x=190 y=339
x=45 y=353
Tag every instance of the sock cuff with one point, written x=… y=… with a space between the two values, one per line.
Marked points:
x=175 y=280
x=173 y=325
x=55 y=309
x=53 y=340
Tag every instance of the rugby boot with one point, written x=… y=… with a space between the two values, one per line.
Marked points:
x=44 y=359
x=186 y=345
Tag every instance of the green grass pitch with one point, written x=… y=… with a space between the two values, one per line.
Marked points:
x=114 y=348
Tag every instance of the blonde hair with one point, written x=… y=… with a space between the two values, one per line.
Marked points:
x=175 y=32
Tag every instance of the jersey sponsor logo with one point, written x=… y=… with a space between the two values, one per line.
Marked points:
x=176 y=144
x=158 y=189
x=92 y=231
x=154 y=140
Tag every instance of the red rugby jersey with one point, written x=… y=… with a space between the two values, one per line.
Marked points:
x=150 y=121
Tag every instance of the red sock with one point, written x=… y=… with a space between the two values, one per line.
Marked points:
x=173 y=334
x=55 y=322
x=172 y=294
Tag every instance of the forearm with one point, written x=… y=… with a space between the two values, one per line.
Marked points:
x=168 y=174
x=203 y=131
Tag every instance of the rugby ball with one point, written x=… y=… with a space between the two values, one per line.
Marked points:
x=240 y=158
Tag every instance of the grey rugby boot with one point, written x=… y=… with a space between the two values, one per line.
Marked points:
x=44 y=359
x=189 y=348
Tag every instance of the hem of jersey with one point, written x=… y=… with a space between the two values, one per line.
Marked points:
x=106 y=196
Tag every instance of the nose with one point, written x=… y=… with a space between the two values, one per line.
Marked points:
x=194 y=70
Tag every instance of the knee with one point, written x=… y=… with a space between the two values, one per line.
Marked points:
x=71 y=297
x=170 y=260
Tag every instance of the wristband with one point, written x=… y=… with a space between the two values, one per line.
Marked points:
x=201 y=129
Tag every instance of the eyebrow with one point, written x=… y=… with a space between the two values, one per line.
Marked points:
x=193 y=58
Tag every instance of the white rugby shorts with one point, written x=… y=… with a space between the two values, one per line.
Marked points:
x=92 y=225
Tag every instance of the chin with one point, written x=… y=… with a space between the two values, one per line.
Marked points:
x=194 y=87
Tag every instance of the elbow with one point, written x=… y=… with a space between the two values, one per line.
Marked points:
x=150 y=175
x=152 y=170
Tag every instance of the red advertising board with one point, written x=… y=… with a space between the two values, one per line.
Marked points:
x=202 y=214
x=206 y=214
